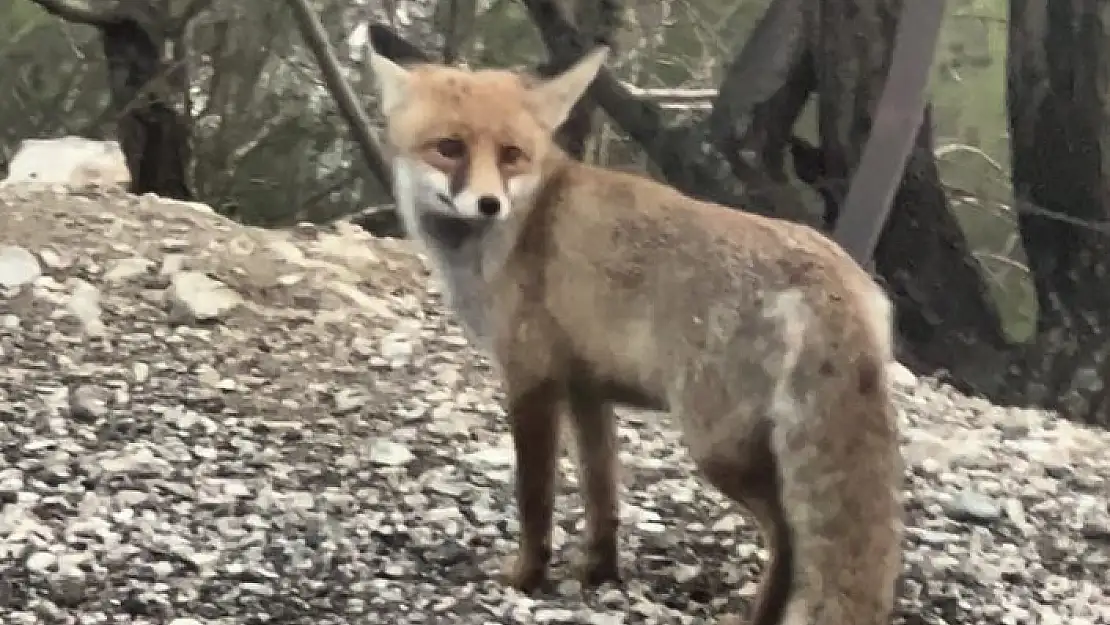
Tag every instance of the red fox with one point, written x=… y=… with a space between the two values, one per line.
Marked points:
x=593 y=288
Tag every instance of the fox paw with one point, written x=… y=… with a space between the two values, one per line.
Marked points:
x=524 y=574
x=596 y=571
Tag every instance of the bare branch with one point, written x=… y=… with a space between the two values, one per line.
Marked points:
x=764 y=90
x=761 y=67
x=77 y=13
x=665 y=93
x=688 y=157
x=395 y=47
x=314 y=35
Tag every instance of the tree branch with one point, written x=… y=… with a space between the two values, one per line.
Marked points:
x=598 y=20
x=314 y=35
x=193 y=9
x=688 y=159
x=395 y=47
x=77 y=13
x=764 y=90
x=759 y=72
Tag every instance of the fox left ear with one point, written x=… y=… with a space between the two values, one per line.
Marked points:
x=555 y=97
x=392 y=79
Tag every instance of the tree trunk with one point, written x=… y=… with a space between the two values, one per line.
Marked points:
x=154 y=136
x=945 y=316
x=598 y=21
x=1058 y=98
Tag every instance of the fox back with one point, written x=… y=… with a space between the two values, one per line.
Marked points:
x=591 y=288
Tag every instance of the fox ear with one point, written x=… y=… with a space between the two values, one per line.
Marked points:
x=392 y=79
x=555 y=97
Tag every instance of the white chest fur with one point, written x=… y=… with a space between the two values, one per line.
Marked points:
x=465 y=254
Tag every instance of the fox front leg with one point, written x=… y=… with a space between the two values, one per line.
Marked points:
x=595 y=428
x=534 y=421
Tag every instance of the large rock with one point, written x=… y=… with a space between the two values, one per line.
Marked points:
x=71 y=161
x=17 y=266
x=195 y=297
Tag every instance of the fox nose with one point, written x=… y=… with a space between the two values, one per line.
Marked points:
x=489 y=205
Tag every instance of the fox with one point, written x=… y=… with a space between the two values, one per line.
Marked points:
x=593 y=289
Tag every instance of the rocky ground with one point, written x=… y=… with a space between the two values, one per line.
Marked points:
x=206 y=423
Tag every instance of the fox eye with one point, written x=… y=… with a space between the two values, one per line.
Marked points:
x=510 y=154
x=451 y=148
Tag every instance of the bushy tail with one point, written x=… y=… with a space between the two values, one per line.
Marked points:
x=840 y=478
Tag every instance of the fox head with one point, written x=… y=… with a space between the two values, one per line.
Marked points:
x=473 y=143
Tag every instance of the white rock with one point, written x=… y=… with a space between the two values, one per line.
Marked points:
x=388 y=453
x=492 y=457
x=40 y=561
x=84 y=303
x=17 y=266
x=194 y=296
x=900 y=375
x=70 y=160
x=123 y=269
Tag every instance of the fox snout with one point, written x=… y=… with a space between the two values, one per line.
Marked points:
x=473 y=205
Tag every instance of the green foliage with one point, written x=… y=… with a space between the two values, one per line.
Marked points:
x=52 y=79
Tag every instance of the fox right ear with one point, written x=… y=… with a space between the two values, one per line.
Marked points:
x=555 y=97
x=392 y=79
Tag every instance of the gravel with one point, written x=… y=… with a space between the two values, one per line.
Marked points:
x=206 y=423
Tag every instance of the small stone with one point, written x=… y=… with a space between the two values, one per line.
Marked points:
x=348 y=400
x=40 y=562
x=208 y=376
x=362 y=346
x=901 y=376
x=492 y=457
x=140 y=371
x=17 y=266
x=194 y=297
x=53 y=260
x=124 y=269
x=88 y=403
x=84 y=303
x=554 y=615
x=388 y=453
x=685 y=573
x=174 y=245
x=969 y=506
x=394 y=348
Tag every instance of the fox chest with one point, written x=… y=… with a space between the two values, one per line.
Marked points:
x=466 y=257
x=468 y=296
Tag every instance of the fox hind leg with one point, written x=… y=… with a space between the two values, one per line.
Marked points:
x=751 y=479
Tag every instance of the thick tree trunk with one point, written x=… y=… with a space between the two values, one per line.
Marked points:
x=153 y=133
x=945 y=316
x=1058 y=96
x=597 y=20
x=154 y=136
